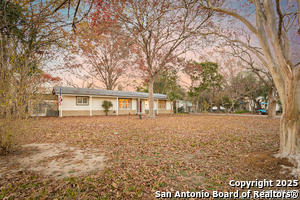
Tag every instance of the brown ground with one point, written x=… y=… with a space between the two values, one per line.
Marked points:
x=139 y=157
x=54 y=160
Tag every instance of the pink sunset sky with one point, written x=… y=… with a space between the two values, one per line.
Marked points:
x=130 y=83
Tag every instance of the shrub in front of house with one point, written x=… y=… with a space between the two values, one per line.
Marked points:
x=107 y=105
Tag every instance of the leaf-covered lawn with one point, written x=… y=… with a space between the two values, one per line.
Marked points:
x=168 y=153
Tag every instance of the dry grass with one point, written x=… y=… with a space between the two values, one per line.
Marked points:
x=168 y=153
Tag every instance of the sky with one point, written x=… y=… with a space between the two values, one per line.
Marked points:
x=295 y=47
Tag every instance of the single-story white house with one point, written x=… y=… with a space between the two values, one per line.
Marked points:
x=88 y=102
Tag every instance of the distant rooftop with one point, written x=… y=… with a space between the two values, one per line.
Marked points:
x=98 y=92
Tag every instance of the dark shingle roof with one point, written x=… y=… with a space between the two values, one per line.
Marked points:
x=85 y=91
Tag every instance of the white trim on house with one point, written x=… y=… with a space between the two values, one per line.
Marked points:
x=60 y=106
x=70 y=107
x=118 y=106
x=157 y=105
x=91 y=105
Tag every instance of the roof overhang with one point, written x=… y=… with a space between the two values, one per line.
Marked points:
x=104 y=93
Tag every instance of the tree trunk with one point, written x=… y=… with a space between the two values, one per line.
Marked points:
x=197 y=104
x=287 y=82
x=231 y=107
x=171 y=104
x=253 y=105
x=286 y=76
x=298 y=2
x=193 y=105
x=272 y=103
x=222 y=103
x=258 y=105
x=151 y=99
x=290 y=120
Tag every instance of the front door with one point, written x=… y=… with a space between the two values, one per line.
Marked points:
x=139 y=106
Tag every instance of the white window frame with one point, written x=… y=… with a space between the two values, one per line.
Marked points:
x=81 y=103
x=127 y=106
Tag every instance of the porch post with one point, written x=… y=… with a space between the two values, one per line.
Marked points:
x=91 y=105
x=138 y=106
x=117 y=105
x=60 y=106
x=157 y=105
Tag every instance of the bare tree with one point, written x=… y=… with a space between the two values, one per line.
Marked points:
x=26 y=37
x=249 y=61
x=158 y=28
x=234 y=85
x=103 y=55
x=273 y=30
x=193 y=70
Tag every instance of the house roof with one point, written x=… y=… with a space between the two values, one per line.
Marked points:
x=98 y=92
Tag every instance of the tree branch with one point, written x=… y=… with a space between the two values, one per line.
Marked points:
x=229 y=12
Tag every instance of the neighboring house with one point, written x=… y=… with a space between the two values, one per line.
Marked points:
x=88 y=102
x=43 y=105
x=261 y=99
x=186 y=105
x=242 y=105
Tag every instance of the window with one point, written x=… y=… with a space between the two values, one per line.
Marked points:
x=82 y=101
x=125 y=104
x=161 y=104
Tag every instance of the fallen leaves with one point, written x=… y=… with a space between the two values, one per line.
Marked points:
x=176 y=153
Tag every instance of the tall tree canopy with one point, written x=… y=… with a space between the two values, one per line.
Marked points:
x=157 y=28
x=102 y=54
x=27 y=33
